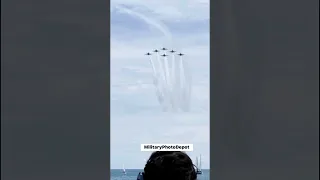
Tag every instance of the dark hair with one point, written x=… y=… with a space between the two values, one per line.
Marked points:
x=169 y=165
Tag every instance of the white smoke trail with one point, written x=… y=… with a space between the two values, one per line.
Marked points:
x=174 y=82
x=160 y=69
x=152 y=22
x=170 y=82
x=173 y=70
x=166 y=87
x=177 y=84
x=166 y=68
x=161 y=82
x=182 y=78
x=153 y=67
x=188 y=82
x=173 y=75
x=183 y=84
x=156 y=80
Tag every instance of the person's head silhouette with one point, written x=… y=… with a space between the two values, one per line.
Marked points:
x=168 y=165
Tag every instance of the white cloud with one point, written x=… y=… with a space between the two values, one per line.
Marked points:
x=170 y=10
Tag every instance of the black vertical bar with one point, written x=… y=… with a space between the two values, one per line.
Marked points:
x=55 y=89
x=264 y=89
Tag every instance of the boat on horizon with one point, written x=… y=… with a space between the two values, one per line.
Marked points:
x=123 y=170
x=198 y=165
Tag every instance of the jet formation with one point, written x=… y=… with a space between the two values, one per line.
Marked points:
x=171 y=79
x=164 y=55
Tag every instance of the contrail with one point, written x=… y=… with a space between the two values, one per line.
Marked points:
x=182 y=76
x=177 y=81
x=174 y=81
x=175 y=85
x=155 y=80
x=167 y=71
x=149 y=21
x=173 y=69
x=169 y=81
x=153 y=67
x=161 y=68
x=188 y=79
x=183 y=84
x=161 y=81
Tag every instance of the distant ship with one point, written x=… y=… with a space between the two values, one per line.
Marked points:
x=198 y=165
x=123 y=170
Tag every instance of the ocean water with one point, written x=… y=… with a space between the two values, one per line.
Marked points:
x=116 y=174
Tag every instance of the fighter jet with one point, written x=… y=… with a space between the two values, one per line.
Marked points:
x=156 y=50
x=164 y=49
x=164 y=55
x=180 y=54
x=172 y=51
x=148 y=54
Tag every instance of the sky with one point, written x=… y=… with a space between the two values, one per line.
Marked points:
x=139 y=26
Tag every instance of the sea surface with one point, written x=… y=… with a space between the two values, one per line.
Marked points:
x=116 y=174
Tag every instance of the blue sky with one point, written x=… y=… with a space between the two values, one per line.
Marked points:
x=138 y=26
